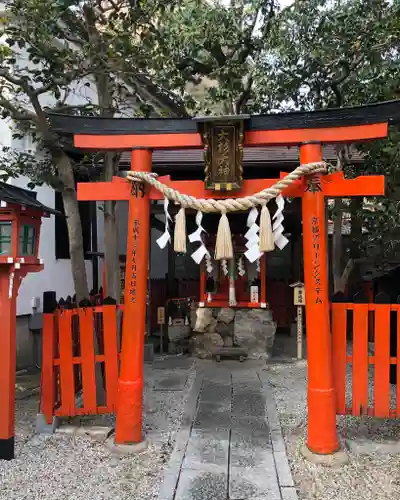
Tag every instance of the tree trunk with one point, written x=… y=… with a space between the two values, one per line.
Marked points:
x=73 y=219
x=111 y=247
x=356 y=227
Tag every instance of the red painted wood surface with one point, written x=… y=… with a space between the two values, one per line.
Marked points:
x=322 y=433
x=66 y=365
x=130 y=382
x=87 y=359
x=333 y=185
x=398 y=366
x=286 y=137
x=360 y=358
x=339 y=339
x=382 y=360
x=300 y=136
x=69 y=360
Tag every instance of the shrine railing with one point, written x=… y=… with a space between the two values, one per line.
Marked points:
x=80 y=361
x=366 y=358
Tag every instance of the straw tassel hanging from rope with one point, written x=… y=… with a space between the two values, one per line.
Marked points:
x=180 y=231
x=223 y=245
x=267 y=243
x=268 y=236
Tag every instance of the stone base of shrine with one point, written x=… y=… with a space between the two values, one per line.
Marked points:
x=336 y=459
x=213 y=328
x=126 y=449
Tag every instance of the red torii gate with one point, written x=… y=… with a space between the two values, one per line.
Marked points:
x=306 y=130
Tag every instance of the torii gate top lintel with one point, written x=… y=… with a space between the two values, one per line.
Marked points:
x=351 y=124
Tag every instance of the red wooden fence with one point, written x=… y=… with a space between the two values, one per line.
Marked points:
x=75 y=341
x=368 y=365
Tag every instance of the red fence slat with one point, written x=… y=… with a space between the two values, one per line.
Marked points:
x=398 y=367
x=66 y=367
x=88 y=360
x=360 y=359
x=48 y=379
x=110 y=353
x=382 y=360
x=339 y=330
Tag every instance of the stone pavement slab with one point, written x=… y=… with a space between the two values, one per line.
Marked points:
x=289 y=494
x=216 y=392
x=253 y=482
x=201 y=485
x=249 y=440
x=212 y=416
x=171 y=382
x=207 y=449
x=248 y=403
x=230 y=446
x=173 y=363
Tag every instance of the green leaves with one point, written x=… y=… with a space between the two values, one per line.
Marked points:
x=214 y=46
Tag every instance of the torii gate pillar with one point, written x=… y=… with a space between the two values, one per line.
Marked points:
x=130 y=382
x=322 y=434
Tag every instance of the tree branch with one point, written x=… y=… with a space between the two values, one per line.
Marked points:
x=348 y=68
x=20 y=82
x=245 y=95
x=71 y=107
x=17 y=113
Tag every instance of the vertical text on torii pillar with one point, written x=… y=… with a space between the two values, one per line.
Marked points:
x=132 y=287
x=316 y=262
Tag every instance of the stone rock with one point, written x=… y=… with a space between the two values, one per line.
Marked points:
x=228 y=342
x=96 y=433
x=226 y=315
x=193 y=317
x=172 y=348
x=204 y=318
x=255 y=331
x=225 y=330
x=177 y=333
x=211 y=328
x=203 y=345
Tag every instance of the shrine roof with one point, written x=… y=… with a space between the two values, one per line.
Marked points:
x=388 y=111
x=274 y=156
x=19 y=196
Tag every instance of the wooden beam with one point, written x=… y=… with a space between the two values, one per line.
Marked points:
x=126 y=142
x=120 y=189
x=285 y=137
x=333 y=185
x=367 y=185
x=324 y=135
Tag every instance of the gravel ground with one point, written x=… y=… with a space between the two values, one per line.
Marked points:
x=370 y=474
x=64 y=466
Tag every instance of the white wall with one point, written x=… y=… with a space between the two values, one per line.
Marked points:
x=5 y=135
x=56 y=275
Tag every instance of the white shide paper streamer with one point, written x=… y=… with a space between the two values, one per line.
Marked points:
x=165 y=238
x=277 y=227
x=202 y=251
x=253 y=248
